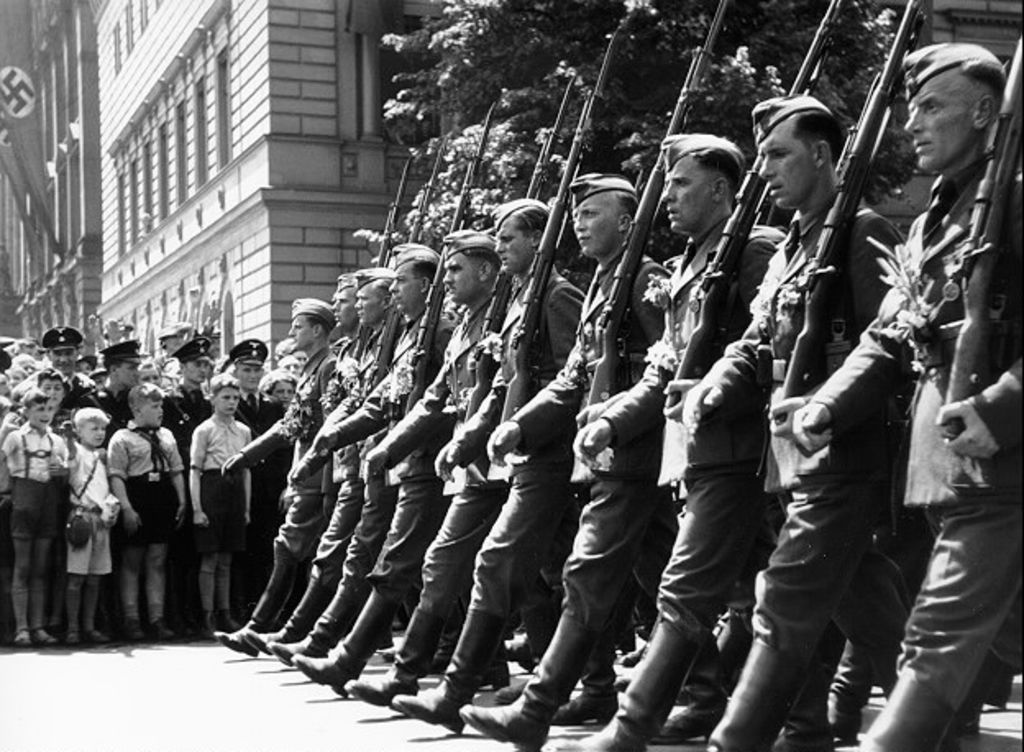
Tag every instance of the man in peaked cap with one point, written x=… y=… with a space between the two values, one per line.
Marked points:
x=471 y=267
x=835 y=499
x=629 y=522
x=725 y=503
x=540 y=504
x=63 y=345
x=410 y=487
x=968 y=483
x=121 y=361
x=312 y=323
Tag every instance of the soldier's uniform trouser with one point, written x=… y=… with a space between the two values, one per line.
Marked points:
x=420 y=510
x=826 y=567
x=304 y=522
x=447 y=571
x=330 y=551
x=970 y=600
x=517 y=548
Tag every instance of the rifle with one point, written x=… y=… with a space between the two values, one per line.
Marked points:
x=698 y=356
x=393 y=322
x=969 y=371
x=540 y=170
x=427 y=331
x=823 y=267
x=520 y=387
x=610 y=321
x=387 y=237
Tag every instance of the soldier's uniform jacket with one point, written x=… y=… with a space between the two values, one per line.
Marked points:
x=343 y=386
x=559 y=320
x=444 y=402
x=730 y=446
x=260 y=417
x=777 y=312
x=382 y=407
x=936 y=475
x=79 y=387
x=188 y=408
x=302 y=419
x=114 y=405
x=569 y=392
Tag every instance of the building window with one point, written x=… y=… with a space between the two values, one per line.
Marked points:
x=147 y=186
x=181 y=155
x=117 y=48
x=223 y=109
x=201 y=145
x=129 y=27
x=163 y=171
x=121 y=240
x=133 y=199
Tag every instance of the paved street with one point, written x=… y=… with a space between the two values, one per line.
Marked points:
x=200 y=698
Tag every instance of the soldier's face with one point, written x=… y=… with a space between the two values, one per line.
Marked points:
x=64 y=359
x=371 y=304
x=600 y=224
x=304 y=332
x=409 y=291
x=790 y=166
x=248 y=375
x=195 y=372
x=344 y=301
x=466 y=279
x=123 y=375
x=516 y=247
x=689 y=196
x=947 y=124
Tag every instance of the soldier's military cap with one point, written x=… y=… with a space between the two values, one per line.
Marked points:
x=506 y=210
x=316 y=309
x=768 y=114
x=177 y=329
x=5 y=360
x=407 y=253
x=594 y=183
x=122 y=352
x=196 y=348
x=711 y=151
x=348 y=279
x=62 y=336
x=88 y=360
x=974 y=61
x=364 y=277
x=471 y=243
x=252 y=351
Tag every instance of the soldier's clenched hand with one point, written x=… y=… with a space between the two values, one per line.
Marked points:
x=505 y=439
x=701 y=401
x=675 y=397
x=976 y=440
x=812 y=427
x=446 y=462
x=593 y=439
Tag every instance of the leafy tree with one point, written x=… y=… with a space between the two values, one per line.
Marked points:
x=522 y=53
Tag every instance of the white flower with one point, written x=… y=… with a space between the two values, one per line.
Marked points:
x=663 y=355
x=658 y=292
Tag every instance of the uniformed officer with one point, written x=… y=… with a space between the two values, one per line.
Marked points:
x=628 y=514
x=724 y=504
x=246 y=361
x=413 y=480
x=121 y=361
x=63 y=345
x=969 y=484
x=471 y=268
x=836 y=498
x=354 y=358
x=539 y=501
x=305 y=518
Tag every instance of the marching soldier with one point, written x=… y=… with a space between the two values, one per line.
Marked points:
x=969 y=484
x=354 y=360
x=539 y=501
x=836 y=498
x=629 y=521
x=725 y=505
x=312 y=322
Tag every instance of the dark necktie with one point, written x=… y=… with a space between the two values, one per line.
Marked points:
x=156 y=452
x=943 y=198
x=792 y=241
x=251 y=403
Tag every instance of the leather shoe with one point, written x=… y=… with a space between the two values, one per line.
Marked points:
x=238 y=641
x=433 y=706
x=615 y=737
x=286 y=651
x=688 y=724
x=511 y=724
x=845 y=727
x=381 y=692
x=161 y=631
x=508 y=695
x=334 y=670
x=133 y=630
x=584 y=709
x=97 y=637
x=262 y=640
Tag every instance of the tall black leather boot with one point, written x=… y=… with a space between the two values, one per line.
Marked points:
x=526 y=721
x=914 y=719
x=807 y=728
x=268 y=610
x=646 y=703
x=597 y=702
x=703 y=697
x=411 y=662
x=314 y=601
x=346 y=662
x=481 y=636
x=760 y=702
